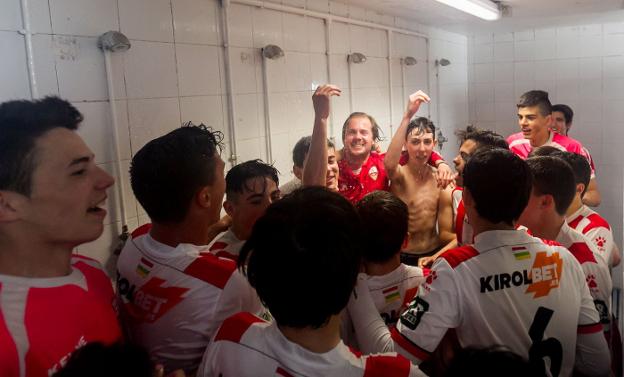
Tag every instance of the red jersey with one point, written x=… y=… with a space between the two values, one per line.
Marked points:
x=43 y=320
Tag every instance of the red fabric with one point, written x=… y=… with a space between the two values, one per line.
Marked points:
x=459 y=221
x=595 y=221
x=457 y=256
x=407 y=345
x=574 y=223
x=387 y=366
x=234 y=327
x=9 y=360
x=589 y=329
x=143 y=229
x=582 y=252
x=211 y=269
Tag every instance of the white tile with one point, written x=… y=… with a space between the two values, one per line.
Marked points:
x=357 y=13
x=590 y=45
x=485 y=111
x=85 y=18
x=612 y=66
x=568 y=47
x=591 y=88
x=521 y=87
x=587 y=132
x=316 y=34
x=568 y=31
x=11 y=15
x=339 y=38
x=588 y=111
x=297 y=72
x=339 y=9
x=241 y=29
x=590 y=68
x=267 y=27
x=295 y=3
x=614 y=27
x=545 y=49
x=503 y=72
x=484 y=73
x=613 y=44
x=506 y=112
x=250 y=149
x=279 y=117
x=504 y=92
x=144 y=79
x=614 y=89
x=80 y=69
x=483 y=93
x=339 y=71
x=567 y=69
x=195 y=21
x=45 y=65
x=296 y=33
x=373 y=16
x=545 y=70
x=593 y=29
x=318 y=70
x=484 y=53
x=248 y=124
x=377 y=43
x=503 y=37
x=198 y=70
x=40 y=16
x=526 y=35
x=524 y=71
x=204 y=109
x=318 y=5
x=97 y=129
x=242 y=64
x=567 y=90
x=484 y=38
x=151 y=118
x=357 y=39
x=524 y=50
x=547 y=33
x=13 y=75
x=148 y=20
x=387 y=20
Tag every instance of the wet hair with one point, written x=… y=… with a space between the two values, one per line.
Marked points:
x=566 y=110
x=421 y=125
x=491 y=362
x=22 y=122
x=544 y=150
x=301 y=150
x=99 y=360
x=237 y=179
x=537 y=98
x=481 y=137
x=580 y=167
x=505 y=200
x=168 y=171
x=384 y=224
x=375 y=127
x=553 y=176
x=303 y=256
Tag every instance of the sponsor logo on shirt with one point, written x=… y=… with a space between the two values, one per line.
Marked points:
x=600 y=242
x=373 y=173
x=144 y=267
x=391 y=294
x=56 y=367
x=411 y=317
x=151 y=301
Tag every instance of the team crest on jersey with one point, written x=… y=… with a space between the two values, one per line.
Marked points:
x=545 y=274
x=411 y=317
x=600 y=242
x=373 y=173
x=431 y=276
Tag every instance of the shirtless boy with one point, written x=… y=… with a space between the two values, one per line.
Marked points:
x=415 y=184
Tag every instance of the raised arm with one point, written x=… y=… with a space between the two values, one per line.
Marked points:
x=315 y=165
x=393 y=156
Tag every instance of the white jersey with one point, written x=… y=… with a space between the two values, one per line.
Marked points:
x=595 y=268
x=463 y=229
x=596 y=229
x=226 y=245
x=174 y=299
x=247 y=346
x=290 y=186
x=507 y=289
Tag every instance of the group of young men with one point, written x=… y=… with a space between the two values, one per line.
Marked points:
x=376 y=264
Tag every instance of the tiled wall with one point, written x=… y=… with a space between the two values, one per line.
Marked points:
x=581 y=66
x=174 y=72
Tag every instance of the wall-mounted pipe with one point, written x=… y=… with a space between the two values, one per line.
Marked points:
x=26 y=31
x=353 y=58
x=269 y=52
x=328 y=51
x=389 y=35
x=225 y=17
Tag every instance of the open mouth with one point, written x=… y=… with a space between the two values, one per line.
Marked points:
x=96 y=209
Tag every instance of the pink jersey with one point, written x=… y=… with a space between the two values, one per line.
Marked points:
x=42 y=321
x=174 y=299
x=507 y=289
x=463 y=229
x=522 y=147
x=595 y=268
x=226 y=245
x=596 y=229
x=247 y=346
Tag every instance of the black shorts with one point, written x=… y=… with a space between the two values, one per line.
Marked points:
x=412 y=259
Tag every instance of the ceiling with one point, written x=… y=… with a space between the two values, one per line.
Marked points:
x=525 y=13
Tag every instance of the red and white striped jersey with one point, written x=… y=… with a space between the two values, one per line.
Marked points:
x=226 y=245
x=507 y=289
x=522 y=147
x=596 y=229
x=463 y=229
x=174 y=299
x=594 y=266
x=247 y=346
x=43 y=320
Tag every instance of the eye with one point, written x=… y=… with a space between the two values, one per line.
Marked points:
x=79 y=172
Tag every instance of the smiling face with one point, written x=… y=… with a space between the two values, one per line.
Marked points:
x=559 y=123
x=331 y=178
x=68 y=191
x=467 y=148
x=534 y=125
x=358 y=137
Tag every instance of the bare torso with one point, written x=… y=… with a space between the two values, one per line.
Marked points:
x=420 y=192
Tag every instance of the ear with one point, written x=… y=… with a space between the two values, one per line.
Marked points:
x=10 y=204
x=546 y=201
x=580 y=188
x=298 y=172
x=228 y=206
x=202 y=197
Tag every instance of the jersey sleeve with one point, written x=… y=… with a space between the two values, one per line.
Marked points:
x=390 y=365
x=433 y=311
x=585 y=153
x=435 y=158
x=602 y=238
x=237 y=296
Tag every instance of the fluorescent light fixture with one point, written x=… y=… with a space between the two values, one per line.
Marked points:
x=484 y=9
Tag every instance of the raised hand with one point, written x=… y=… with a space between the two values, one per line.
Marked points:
x=321 y=99
x=415 y=99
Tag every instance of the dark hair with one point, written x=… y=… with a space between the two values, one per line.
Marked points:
x=566 y=110
x=544 y=150
x=491 y=362
x=384 y=225
x=358 y=114
x=553 y=176
x=236 y=180
x=537 y=98
x=481 y=137
x=118 y=360
x=22 y=122
x=301 y=150
x=580 y=167
x=500 y=184
x=303 y=256
x=422 y=125
x=168 y=171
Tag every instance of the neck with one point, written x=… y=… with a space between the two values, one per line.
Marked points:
x=482 y=225
x=540 y=139
x=239 y=231
x=550 y=227
x=419 y=169
x=380 y=269
x=321 y=340
x=32 y=259
x=577 y=203
x=193 y=231
x=355 y=162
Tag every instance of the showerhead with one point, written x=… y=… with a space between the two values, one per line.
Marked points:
x=409 y=60
x=443 y=62
x=272 y=52
x=356 y=58
x=113 y=41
